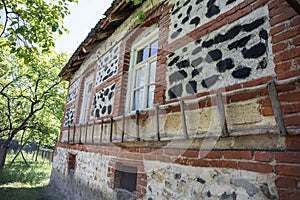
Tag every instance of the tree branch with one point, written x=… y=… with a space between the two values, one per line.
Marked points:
x=6 y=13
x=8 y=107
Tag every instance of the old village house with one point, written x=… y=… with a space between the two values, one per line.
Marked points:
x=200 y=101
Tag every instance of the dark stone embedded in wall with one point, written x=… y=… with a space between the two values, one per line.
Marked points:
x=196 y=72
x=186 y=2
x=213 y=55
x=198 y=41
x=195 y=21
x=255 y=51
x=226 y=196
x=229 y=35
x=197 y=62
x=175 y=60
x=103 y=102
x=177 y=176
x=123 y=194
x=72 y=93
x=185 y=20
x=198 y=1
x=176 y=33
x=188 y=12
x=171 y=54
x=107 y=65
x=241 y=72
x=208 y=82
x=183 y=64
x=175 y=91
x=239 y=43
x=266 y=191
x=177 y=76
x=208 y=194
x=197 y=50
x=253 y=25
x=231 y=54
x=224 y=65
x=191 y=87
x=263 y=34
x=229 y=2
x=213 y=10
x=262 y=64
x=233 y=32
x=69 y=116
x=189 y=15
x=176 y=11
x=250 y=188
x=210 y=3
x=200 y=180
x=207 y=44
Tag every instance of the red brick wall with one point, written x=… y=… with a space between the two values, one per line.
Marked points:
x=284 y=162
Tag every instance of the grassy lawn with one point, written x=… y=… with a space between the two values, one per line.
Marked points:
x=27 y=182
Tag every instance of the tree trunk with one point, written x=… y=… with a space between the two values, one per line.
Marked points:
x=3 y=152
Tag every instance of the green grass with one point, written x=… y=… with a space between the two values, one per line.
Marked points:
x=20 y=181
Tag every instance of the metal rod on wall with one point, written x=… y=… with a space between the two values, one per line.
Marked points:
x=222 y=116
x=80 y=127
x=74 y=129
x=157 y=122
x=69 y=127
x=93 y=130
x=276 y=108
x=123 y=127
x=111 y=129
x=101 y=130
x=183 y=120
x=86 y=132
x=137 y=127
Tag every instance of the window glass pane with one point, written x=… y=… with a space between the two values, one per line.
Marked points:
x=140 y=77
x=142 y=55
x=153 y=48
x=90 y=87
x=152 y=72
x=138 y=99
x=150 y=96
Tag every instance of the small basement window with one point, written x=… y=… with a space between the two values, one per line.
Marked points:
x=125 y=182
x=71 y=163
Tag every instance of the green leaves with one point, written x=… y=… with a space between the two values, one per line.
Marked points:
x=32 y=24
x=31 y=95
x=141 y=17
x=135 y=2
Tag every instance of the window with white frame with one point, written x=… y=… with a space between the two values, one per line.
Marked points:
x=142 y=71
x=88 y=86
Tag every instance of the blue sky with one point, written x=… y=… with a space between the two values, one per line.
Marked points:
x=82 y=19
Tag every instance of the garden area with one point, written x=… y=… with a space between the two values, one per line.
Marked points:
x=27 y=181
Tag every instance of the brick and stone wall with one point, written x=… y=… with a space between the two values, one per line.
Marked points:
x=238 y=48
x=230 y=170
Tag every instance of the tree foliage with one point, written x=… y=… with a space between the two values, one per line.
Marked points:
x=141 y=15
x=32 y=24
x=32 y=97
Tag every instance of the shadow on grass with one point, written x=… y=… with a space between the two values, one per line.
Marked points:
x=37 y=193
x=29 y=182
x=19 y=172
